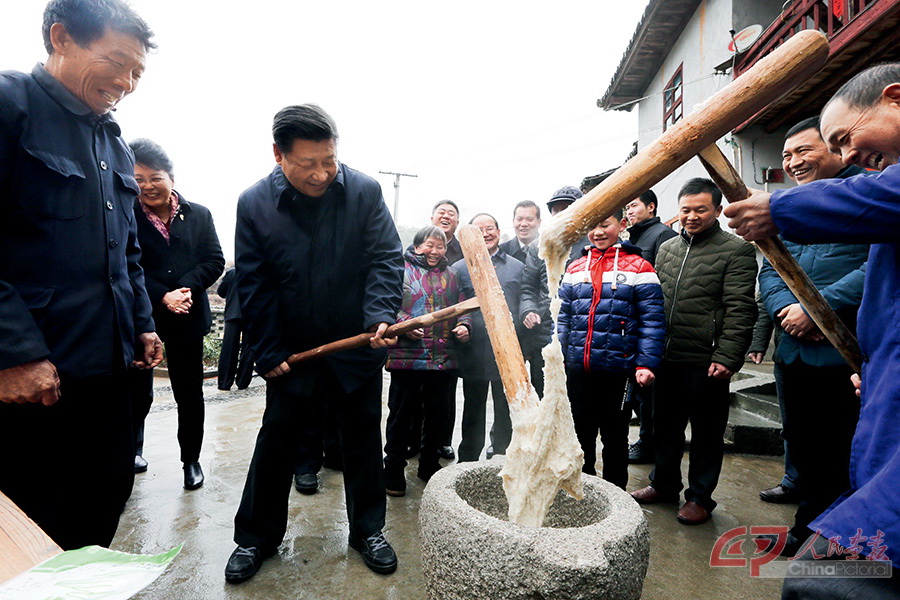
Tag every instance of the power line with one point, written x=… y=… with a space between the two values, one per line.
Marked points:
x=397 y=177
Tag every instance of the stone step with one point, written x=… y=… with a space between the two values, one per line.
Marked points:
x=749 y=433
x=759 y=399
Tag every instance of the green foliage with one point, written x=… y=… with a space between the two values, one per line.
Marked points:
x=212 y=347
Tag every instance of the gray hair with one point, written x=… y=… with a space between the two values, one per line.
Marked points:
x=87 y=20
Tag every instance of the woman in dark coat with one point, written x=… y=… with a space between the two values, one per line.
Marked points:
x=181 y=257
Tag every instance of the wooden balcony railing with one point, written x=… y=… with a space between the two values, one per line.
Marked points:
x=840 y=20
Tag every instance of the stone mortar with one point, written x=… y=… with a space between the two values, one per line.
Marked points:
x=594 y=548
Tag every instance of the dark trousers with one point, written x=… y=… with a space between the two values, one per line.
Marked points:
x=820 y=414
x=235 y=359
x=642 y=404
x=431 y=390
x=77 y=504
x=790 y=480
x=445 y=423
x=319 y=443
x=598 y=403
x=686 y=394
x=474 y=414
x=261 y=519
x=184 y=360
x=536 y=372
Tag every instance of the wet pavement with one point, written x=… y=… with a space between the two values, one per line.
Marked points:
x=314 y=561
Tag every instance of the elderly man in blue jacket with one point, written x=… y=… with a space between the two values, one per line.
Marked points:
x=74 y=313
x=317 y=259
x=862 y=122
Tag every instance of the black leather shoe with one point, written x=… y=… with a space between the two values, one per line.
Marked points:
x=638 y=456
x=140 y=464
x=306 y=483
x=779 y=495
x=244 y=563
x=193 y=476
x=376 y=553
x=489 y=452
x=446 y=452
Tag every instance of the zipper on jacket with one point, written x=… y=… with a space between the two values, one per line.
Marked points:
x=675 y=292
x=592 y=311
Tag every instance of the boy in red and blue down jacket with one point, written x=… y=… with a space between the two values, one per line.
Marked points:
x=423 y=363
x=612 y=329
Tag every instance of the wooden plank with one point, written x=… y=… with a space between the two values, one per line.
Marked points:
x=500 y=328
x=357 y=341
x=22 y=543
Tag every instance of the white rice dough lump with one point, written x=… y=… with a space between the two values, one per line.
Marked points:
x=544 y=454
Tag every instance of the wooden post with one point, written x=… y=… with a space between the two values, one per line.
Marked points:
x=733 y=188
x=500 y=328
x=357 y=341
x=772 y=77
x=22 y=543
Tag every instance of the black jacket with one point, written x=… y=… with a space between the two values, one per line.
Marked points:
x=535 y=297
x=192 y=258
x=308 y=277
x=648 y=236
x=71 y=288
x=228 y=290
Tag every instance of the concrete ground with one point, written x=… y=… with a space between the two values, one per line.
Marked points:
x=314 y=561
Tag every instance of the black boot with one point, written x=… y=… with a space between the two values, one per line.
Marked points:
x=193 y=475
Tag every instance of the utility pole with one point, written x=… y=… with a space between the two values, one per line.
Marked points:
x=397 y=177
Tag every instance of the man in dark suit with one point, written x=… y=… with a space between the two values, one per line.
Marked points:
x=74 y=312
x=318 y=259
x=534 y=305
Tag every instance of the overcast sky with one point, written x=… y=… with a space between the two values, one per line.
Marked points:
x=488 y=103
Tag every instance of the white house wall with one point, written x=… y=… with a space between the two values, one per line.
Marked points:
x=701 y=47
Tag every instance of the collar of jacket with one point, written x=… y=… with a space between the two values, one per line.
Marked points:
x=285 y=192
x=623 y=244
x=641 y=227
x=499 y=255
x=67 y=99
x=702 y=236
x=850 y=171
x=420 y=261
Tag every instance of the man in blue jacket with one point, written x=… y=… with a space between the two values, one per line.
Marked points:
x=317 y=259
x=812 y=378
x=862 y=122
x=74 y=313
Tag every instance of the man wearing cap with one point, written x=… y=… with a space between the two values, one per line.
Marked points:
x=561 y=200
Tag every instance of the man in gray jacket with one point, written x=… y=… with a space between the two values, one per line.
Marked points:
x=708 y=279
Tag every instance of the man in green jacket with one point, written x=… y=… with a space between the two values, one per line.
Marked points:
x=708 y=279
